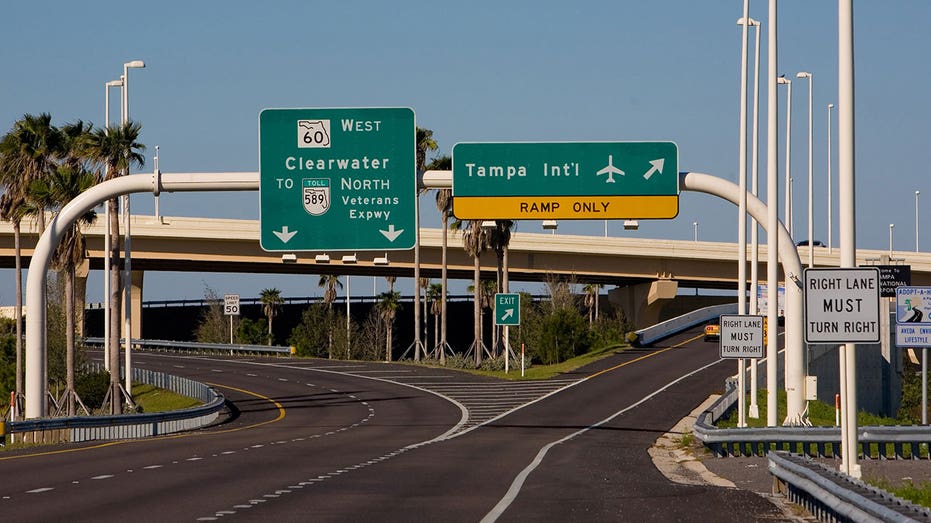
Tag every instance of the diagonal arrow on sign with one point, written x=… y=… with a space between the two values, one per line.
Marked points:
x=507 y=314
x=657 y=166
x=391 y=233
x=284 y=234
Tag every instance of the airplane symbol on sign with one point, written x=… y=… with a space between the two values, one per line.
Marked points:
x=610 y=170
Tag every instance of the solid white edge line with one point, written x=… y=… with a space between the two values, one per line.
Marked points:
x=518 y=482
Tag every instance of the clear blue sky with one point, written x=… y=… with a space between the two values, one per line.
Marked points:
x=481 y=71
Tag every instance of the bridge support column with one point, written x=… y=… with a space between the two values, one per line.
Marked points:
x=137 y=278
x=642 y=303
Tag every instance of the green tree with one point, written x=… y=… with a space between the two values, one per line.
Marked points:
x=60 y=187
x=115 y=149
x=213 y=326
x=252 y=332
x=388 y=305
x=310 y=337
x=271 y=304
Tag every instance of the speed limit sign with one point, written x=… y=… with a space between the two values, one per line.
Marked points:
x=231 y=304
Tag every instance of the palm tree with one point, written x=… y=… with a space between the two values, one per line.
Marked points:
x=475 y=242
x=591 y=291
x=425 y=286
x=388 y=305
x=391 y=281
x=499 y=238
x=435 y=295
x=116 y=149
x=31 y=149
x=26 y=154
x=271 y=303
x=486 y=294
x=329 y=282
x=64 y=184
x=444 y=203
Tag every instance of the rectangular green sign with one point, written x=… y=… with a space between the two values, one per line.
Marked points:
x=565 y=180
x=507 y=309
x=337 y=179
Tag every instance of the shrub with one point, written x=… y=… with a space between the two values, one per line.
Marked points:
x=92 y=388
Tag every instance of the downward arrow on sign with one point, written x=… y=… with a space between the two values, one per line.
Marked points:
x=284 y=234
x=391 y=233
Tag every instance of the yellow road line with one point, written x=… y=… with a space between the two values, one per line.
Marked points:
x=645 y=356
x=279 y=406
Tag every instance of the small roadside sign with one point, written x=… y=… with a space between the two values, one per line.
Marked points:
x=231 y=304
x=507 y=309
x=742 y=336
x=842 y=305
x=913 y=305
x=913 y=335
x=891 y=277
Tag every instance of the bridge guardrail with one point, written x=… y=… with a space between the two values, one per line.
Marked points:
x=196 y=346
x=126 y=426
x=832 y=496
x=659 y=331
x=876 y=442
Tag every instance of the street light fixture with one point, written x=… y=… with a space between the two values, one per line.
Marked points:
x=891 y=226
x=788 y=215
x=811 y=204
x=916 y=220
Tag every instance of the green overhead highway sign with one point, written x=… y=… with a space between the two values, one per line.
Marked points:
x=337 y=179
x=566 y=180
x=507 y=309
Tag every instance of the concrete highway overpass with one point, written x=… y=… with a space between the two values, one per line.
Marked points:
x=631 y=264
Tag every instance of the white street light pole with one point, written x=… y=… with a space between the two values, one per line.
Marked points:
x=127 y=281
x=107 y=235
x=830 y=195
x=772 y=221
x=788 y=194
x=742 y=212
x=754 y=409
x=695 y=230
x=846 y=167
x=811 y=203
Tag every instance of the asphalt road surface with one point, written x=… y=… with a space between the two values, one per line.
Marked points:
x=318 y=440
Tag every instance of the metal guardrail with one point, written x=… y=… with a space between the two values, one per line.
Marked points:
x=876 y=442
x=832 y=496
x=87 y=428
x=190 y=346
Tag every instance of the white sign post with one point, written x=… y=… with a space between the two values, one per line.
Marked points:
x=231 y=308
x=842 y=306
